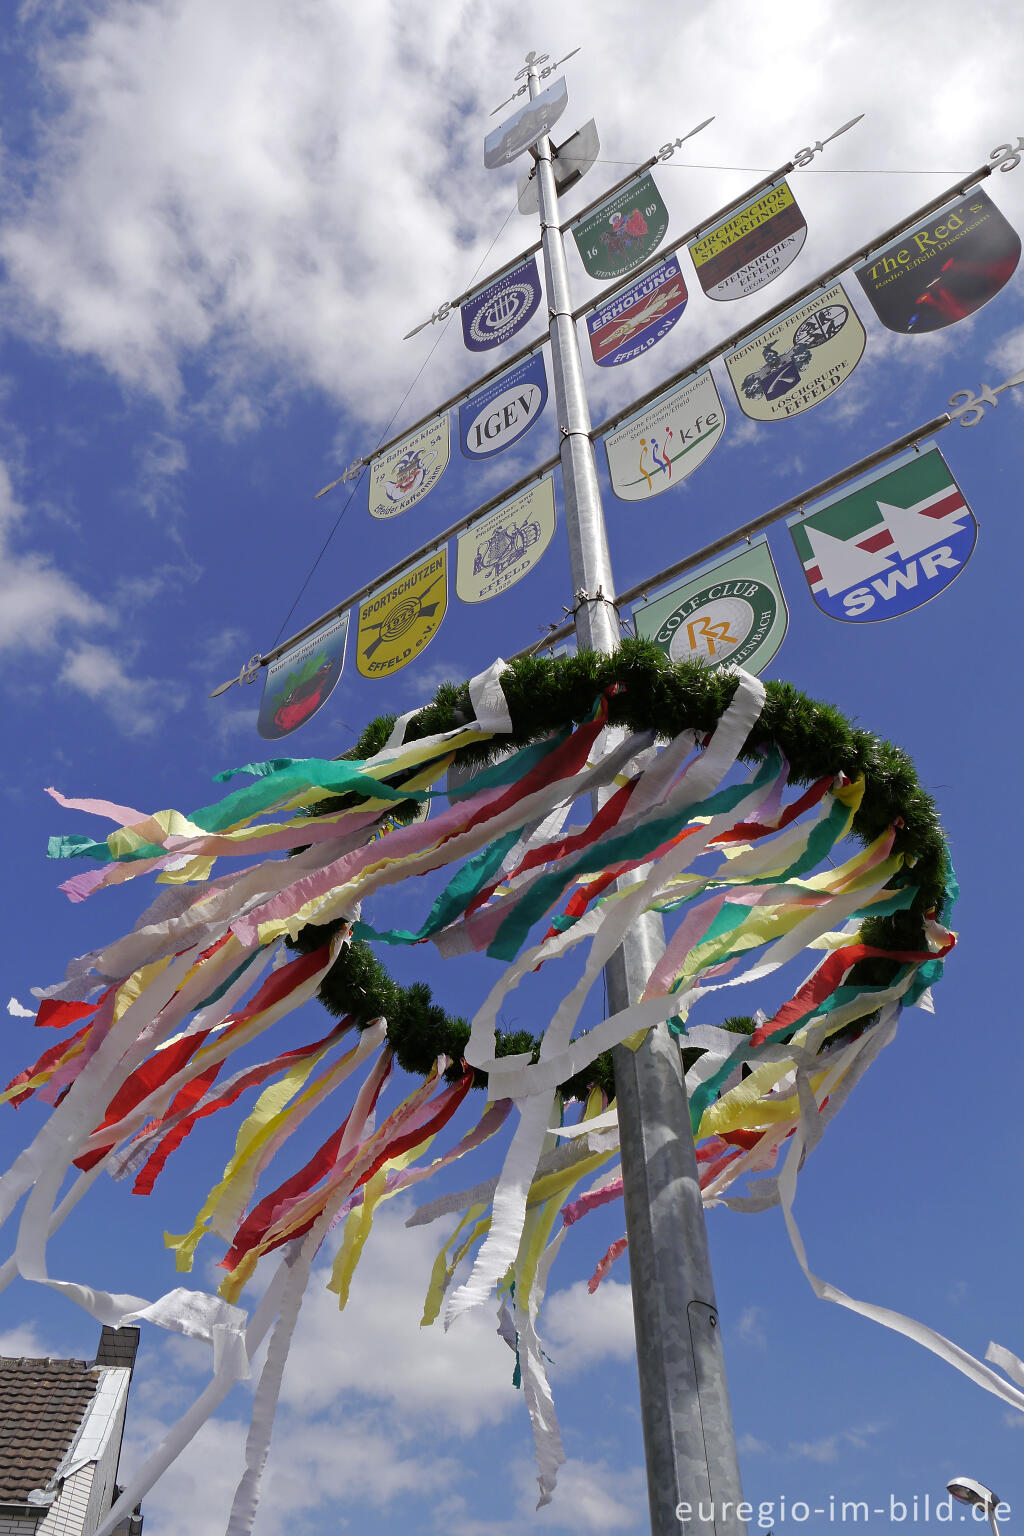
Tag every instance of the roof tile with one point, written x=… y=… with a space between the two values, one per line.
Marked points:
x=42 y=1403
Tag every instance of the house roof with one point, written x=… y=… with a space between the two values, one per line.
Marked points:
x=42 y=1403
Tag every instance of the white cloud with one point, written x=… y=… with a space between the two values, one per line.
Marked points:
x=824 y=1450
x=827 y=1449
x=1005 y=359
x=161 y=460
x=750 y=1445
x=317 y=1468
x=276 y=193
x=37 y=601
x=579 y=1329
x=423 y=682
x=42 y=609
x=749 y=1326
x=590 y=1497
x=377 y=1350
x=135 y=704
x=25 y=1340
x=370 y=1389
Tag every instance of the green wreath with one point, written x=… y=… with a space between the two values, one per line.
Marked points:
x=645 y=690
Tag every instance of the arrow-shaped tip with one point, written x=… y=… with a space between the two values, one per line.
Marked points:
x=851 y=124
x=224 y=687
x=324 y=489
x=692 y=131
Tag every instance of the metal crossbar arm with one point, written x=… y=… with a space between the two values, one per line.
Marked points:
x=756 y=525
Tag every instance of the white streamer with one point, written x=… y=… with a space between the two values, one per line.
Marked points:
x=807 y=1133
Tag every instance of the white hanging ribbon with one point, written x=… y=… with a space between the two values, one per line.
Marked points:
x=533 y=1087
x=809 y=1131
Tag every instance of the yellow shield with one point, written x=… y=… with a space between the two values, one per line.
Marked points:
x=496 y=552
x=800 y=360
x=400 y=620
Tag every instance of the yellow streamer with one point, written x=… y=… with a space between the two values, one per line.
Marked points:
x=357 y=1230
x=444 y=1268
x=268 y=1115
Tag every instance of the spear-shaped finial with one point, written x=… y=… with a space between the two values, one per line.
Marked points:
x=537 y=63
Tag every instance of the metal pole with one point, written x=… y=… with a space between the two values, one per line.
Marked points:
x=689 y=1442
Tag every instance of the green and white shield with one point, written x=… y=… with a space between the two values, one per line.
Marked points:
x=731 y=613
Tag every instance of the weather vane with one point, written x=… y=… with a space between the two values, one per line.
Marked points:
x=534 y=61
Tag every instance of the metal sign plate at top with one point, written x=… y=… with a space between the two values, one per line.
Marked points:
x=525 y=127
x=570 y=162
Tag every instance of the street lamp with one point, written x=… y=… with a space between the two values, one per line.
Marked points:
x=968 y=1491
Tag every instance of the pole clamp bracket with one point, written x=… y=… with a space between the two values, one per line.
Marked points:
x=581 y=598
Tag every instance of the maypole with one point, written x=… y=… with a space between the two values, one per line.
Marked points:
x=134 y=1079
x=689 y=1442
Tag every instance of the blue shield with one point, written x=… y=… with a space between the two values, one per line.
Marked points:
x=637 y=317
x=499 y=311
x=498 y=415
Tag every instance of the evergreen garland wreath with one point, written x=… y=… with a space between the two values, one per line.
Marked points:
x=645 y=690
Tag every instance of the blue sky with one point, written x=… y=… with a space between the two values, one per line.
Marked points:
x=216 y=226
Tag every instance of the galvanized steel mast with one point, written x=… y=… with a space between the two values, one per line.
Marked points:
x=689 y=1442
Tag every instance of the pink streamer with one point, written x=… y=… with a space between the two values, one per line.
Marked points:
x=590 y=1201
x=124 y=815
x=616 y=1251
x=693 y=927
x=492 y=1120
x=403 y=842
x=102 y=1020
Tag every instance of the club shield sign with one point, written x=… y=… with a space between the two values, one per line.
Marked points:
x=501 y=548
x=944 y=269
x=637 y=317
x=498 y=415
x=800 y=360
x=666 y=441
x=400 y=620
x=298 y=683
x=515 y=135
x=732 y=612
x=623 y=232
x=499 y=311
x=751 y=247
x=888 y=546
x=404 y=474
